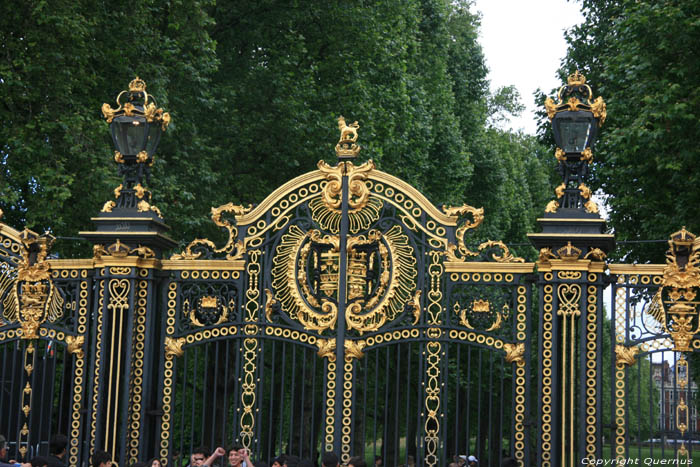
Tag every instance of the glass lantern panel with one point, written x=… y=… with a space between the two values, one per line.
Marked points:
x=129 y=135
x=575 y=134
x=154 y=132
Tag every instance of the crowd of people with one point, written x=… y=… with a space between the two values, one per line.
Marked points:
x=236 y=456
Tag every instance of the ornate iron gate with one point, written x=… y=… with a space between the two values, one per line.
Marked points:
x=345 y=312
x=355 y=266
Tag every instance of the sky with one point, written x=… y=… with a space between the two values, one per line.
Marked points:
x=523 y=42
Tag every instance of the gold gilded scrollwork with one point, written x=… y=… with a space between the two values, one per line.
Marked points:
x=626 y=355
x=551 y=207
x=480 y=310
x=596 y=254
x=270 y=304
x=205 y=303
x=120 y=250
x=515 y=352
x=108 y=206
x=359 y=194
x=460 y=251
x=75 y=345
x=681 y=285
x=173 y=347
x=326 y=348
x=233 y=249
x=353 y=349
x=415 y=305
x=597 y=107
x=27 y=293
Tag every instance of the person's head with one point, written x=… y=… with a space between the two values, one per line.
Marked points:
x=199 y=455
x=3 y=447
x=278 y=461
x=155 y=462
x=58 y=445
x=357 y=461
x=235 y=454
x=378 y=461
x=509 y=462
x=410 y=460
x=471 y=460
x=329 y=459
x=101 y=459
x=39 y=461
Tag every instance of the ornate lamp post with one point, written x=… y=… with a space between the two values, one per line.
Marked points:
x=136 y=125
x=130 y=223
x=575 y=121
x=573 y=218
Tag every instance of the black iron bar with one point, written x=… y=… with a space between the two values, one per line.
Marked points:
x=283 y=385
x=3 y=385
x=376 y=397
x=302 y=425
x=489 y=435
x=195 y=381
x=457 y=393
x=408 y=396
x=499 y=438
x=215 y=412
x=270 y=446
x=203 y=414
x=396 y=401
x=181 y=372
x=42 y=416
x=340 y=323
x=292 y=401
x=226 y=379
x=477 y=448
x=385 y=418
x=313 y=440
x=365 y=362
x=663 y=404
x=651 y=399
x=469 y=384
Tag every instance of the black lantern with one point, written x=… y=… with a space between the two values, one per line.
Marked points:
x=575 y=118
x=136 y=124
x=575 y=121
x=575 y=131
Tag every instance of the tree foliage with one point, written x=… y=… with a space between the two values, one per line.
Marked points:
x=641 y=57
x=254 y=89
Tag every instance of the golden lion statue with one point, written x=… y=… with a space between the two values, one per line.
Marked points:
x=347 y=132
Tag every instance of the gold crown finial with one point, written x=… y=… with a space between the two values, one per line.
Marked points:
x=347 y=145
x=683 y=237
x=577 y=79
x=137 y=85
x=481 y=306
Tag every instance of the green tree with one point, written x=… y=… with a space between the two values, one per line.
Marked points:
x=640 y=56
x=254 y=90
